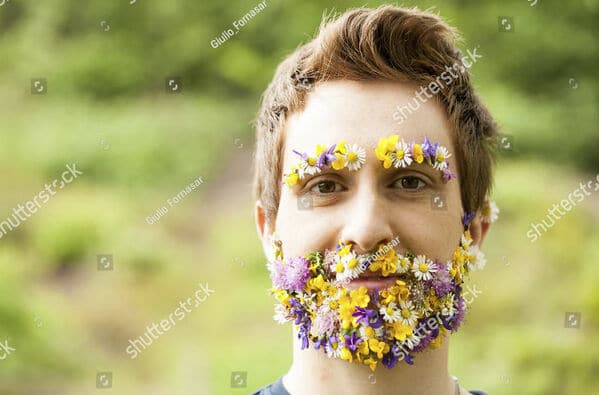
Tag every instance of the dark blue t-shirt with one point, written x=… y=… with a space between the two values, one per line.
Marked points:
x=277 y=388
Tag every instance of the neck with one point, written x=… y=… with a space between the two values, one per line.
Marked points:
x=312 y=372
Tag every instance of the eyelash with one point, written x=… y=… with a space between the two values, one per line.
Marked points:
x=412 y=190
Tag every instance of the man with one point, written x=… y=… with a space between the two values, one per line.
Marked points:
x=374 y=161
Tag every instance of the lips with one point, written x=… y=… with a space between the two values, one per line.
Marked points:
x=374 y=280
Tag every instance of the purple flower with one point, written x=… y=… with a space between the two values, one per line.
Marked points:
x=441 y=282
x=303 y=334
x=352 y=341
x=368 y=317
x=302 y=155
x=291 y=275
x=448 y=175
x=326 y=157
x=467 y=218
x=429 y=149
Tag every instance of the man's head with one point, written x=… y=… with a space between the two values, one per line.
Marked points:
x=405 y=46
x=345 y=85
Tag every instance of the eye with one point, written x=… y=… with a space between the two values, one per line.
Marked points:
x=410 y=182
x=325 y=187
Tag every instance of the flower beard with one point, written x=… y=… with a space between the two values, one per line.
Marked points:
x=369 y=326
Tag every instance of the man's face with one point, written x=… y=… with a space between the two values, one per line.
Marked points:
x=372 y=205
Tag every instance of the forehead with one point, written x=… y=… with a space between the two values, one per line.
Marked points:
x=362 y=113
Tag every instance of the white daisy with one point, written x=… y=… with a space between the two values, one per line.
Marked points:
x=466 y=240
x=378 y=332
x=490 y=211
x=333 y=351
x=401 y=157
x=281 y=316
x=355 y=157
x=476 y=258
x=441 y=156
x=423 y=268
x=309 y=166
x=350 y=267
x=390 y=312
x=403 y=264
x=408 y=315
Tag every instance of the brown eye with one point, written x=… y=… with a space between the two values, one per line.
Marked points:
x=325 y=187
x=411 y=182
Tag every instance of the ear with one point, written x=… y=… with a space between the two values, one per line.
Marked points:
x=479 y=229
x=262 y=226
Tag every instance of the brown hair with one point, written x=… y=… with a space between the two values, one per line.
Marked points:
x=391 y=44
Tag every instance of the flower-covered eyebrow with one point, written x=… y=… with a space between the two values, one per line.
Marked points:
x=338 y=156
x=393 y=151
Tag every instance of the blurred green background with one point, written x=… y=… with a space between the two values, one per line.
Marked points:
x=106 y=107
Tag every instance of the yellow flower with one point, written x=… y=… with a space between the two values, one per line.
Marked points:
x=338 y=163
x=344 y=250
x=371 y=363
x=360 y=296
x=385 y=146
x=417 y=153
x=378 y=347
x=282 y=296
x=346 y=354
x=339 y=268
x=317 y=283
x=341 y=148
x=352 y=263
x=291 y=179
x=400 y=331
x=320 y=149
x=345 y=315
x=363 y=348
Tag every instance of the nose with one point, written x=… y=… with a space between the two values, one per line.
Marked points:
x=367 y=224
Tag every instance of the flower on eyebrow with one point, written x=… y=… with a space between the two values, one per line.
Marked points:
x=338 y=157
x=393 y=151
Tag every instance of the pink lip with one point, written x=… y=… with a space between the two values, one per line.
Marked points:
x=373 y=282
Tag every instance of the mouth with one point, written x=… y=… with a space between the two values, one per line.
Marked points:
x=374 y=281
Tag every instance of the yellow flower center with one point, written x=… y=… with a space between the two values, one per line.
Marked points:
x=405 y=313
x=311 y=161
x=400 y=154
x=352 y=157
x=423 y=267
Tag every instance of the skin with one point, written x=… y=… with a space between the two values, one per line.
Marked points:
x=368 y=207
